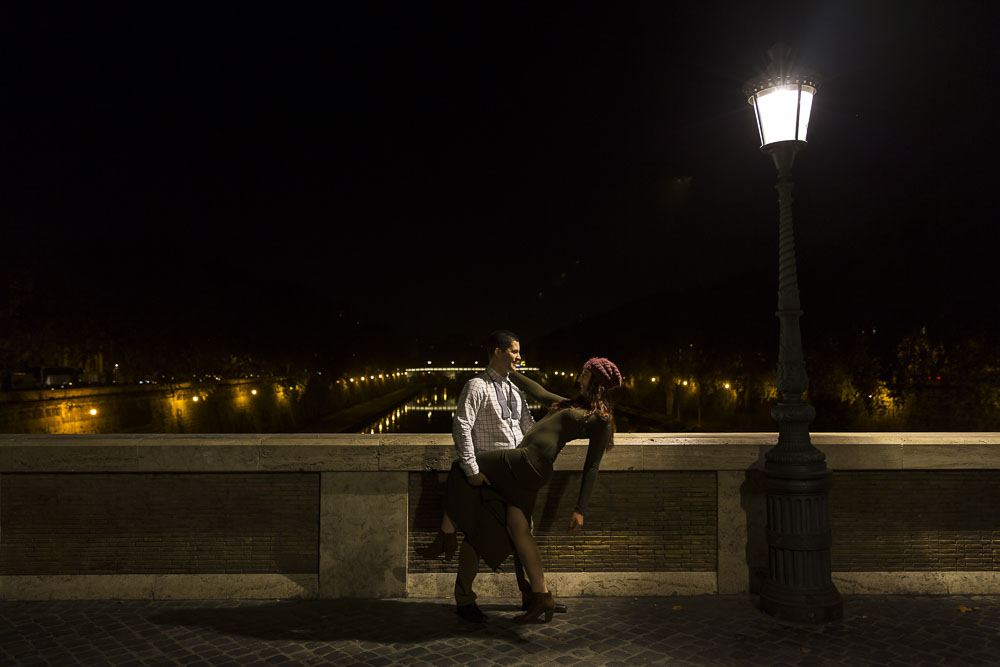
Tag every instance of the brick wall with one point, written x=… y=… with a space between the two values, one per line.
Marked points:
x=637 y=522
x=916 y=520
x=162 y=523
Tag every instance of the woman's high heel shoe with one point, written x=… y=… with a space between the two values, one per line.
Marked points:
x=444 y=543
x=541 y=603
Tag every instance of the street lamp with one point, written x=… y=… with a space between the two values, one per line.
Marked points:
x=798 y=585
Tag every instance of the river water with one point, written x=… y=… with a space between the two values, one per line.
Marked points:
x=430 y=411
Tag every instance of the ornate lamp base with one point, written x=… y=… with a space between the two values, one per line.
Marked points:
x=801 y=606
x=799 y=586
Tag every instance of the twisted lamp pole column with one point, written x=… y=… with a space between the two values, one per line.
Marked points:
x=798 y=585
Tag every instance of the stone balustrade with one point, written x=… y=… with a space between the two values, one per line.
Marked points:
x=265 y=516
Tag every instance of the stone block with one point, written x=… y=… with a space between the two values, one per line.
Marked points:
x=572 y=584
x=733 y=571
x=219 y=454
x=363 y=534
x=416 y=440
x=238 y=586
x=918 y=583
x=158 y=587
x=415 y=456
x=77 y=587
x=699 y=456
x=949 y=455
x=69 y=454
x=620 y=457
x=320 y=452
x=753 y=439
x=861 y=455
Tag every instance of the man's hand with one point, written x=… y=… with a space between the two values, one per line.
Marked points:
x=478 y=479
x=575 y=522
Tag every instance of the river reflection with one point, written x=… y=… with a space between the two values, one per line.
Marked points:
x=430 y=411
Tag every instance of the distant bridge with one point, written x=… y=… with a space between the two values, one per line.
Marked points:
x=463 y=369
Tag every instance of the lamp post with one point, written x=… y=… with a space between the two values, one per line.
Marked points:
x=798 y=586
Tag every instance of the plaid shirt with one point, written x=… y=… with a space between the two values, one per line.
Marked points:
x=478 y=426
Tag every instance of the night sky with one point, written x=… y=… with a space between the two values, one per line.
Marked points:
x=435 y=170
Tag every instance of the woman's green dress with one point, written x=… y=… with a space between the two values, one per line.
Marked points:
x=516 y=475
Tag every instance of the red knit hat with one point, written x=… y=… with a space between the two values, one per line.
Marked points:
x=605 y=372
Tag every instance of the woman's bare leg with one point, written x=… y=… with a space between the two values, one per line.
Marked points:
x=447 y=525
x=527 y=548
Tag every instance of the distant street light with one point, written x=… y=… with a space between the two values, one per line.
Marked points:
x=798 y=585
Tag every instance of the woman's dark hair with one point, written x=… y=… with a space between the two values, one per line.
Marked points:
x=595 y=400
x=500 y=338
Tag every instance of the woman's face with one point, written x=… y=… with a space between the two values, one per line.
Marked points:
x=583 y=379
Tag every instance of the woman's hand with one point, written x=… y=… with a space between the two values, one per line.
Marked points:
x=575 y=522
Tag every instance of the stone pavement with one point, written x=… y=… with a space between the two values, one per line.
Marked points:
x=701 y=630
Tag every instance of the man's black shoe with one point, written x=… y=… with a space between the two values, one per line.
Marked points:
x=472 y=612
x=526 y=602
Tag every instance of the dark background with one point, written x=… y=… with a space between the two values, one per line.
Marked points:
x=385 y=183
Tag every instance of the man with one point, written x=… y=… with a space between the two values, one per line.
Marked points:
x=491 y=414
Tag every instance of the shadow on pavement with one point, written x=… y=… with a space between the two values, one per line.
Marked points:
x=346 y=620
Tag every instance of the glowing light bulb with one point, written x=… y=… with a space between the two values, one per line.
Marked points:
x=93 y=411
x=253 y=391
x=195 y=399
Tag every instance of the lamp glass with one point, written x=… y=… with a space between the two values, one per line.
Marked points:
x=777 y=110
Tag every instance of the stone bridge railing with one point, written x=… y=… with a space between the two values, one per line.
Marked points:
x=274 y=516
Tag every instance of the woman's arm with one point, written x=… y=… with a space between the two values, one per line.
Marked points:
x=600 y=436
x=535 y=390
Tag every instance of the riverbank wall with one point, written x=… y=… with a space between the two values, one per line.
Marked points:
x=250 y=405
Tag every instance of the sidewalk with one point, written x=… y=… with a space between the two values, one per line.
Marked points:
x=702 y=630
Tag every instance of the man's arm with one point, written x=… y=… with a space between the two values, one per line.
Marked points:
x=469 y=402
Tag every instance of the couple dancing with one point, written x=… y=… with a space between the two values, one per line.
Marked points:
x=505 y=458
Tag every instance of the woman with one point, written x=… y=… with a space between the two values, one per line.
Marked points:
x=491 y=517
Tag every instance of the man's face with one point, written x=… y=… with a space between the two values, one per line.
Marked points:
x=509 y=358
